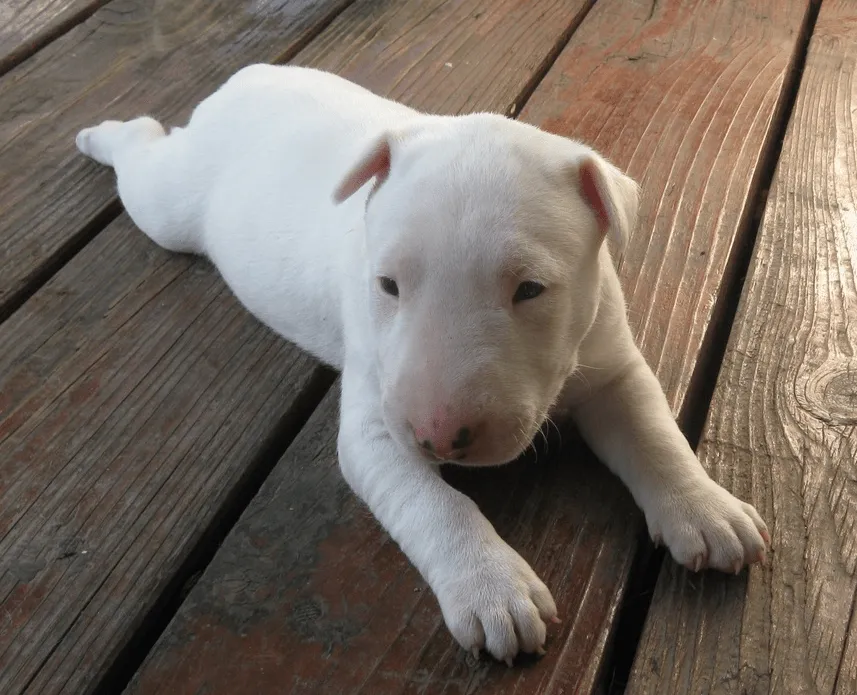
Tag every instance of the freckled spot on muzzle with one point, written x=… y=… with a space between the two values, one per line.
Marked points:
x=427 y=445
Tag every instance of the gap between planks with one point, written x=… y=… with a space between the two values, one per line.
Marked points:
x=647 y=564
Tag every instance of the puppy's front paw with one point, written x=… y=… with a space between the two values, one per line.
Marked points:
x=498 y=603
x=705 y=526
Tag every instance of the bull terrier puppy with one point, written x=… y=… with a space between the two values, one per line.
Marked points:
x=455 y=270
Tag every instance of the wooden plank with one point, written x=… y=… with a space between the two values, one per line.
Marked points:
x=308 y=595
x=124 y=380
x=781 y=429
x=28 y=25
x=127 y=58
x=135 y=396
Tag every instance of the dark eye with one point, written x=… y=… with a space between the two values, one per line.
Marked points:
x=528 y=290
x=389 y=286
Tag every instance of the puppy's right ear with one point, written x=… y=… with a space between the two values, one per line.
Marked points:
x=375 y=162
x=612 y=195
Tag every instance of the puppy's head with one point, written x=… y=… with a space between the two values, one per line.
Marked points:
x=484 y=240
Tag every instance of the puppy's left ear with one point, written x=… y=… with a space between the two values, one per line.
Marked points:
x=374 y=163
x=612 y=195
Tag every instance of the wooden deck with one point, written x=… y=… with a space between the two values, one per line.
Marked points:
x=172 y=518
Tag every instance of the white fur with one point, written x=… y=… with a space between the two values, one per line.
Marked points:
x=462 y=210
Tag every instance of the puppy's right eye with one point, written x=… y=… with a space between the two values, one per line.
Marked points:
x=389 y=286
x=528 y=290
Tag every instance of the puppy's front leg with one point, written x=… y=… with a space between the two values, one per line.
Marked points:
x=628 y=424
x=489 y=596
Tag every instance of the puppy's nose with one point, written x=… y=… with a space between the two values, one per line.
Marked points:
x=446 y=438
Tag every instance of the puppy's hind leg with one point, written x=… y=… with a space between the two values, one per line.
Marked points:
x=154 y=174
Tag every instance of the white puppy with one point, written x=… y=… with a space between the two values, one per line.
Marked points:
x=454 y=269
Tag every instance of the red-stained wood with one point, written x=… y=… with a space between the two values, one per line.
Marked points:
x=781 y=429
x=309 y=595
x=135 y=394
x=129 y=57
x=28 y=25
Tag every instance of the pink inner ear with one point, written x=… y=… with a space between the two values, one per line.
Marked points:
x=376 y=163
x=589 y=184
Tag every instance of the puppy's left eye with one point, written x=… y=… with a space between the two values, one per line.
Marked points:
x=528 y=290
x=389 y=286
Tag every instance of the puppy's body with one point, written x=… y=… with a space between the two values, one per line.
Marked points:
x=459 y=284
x=256 y=199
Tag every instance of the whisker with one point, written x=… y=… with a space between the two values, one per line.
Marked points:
x=551 y=423
x=524 y=448
x=522 y=433
x=580 y=375
x=541 y=431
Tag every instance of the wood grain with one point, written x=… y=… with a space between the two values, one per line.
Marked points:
x=134 y=394
x=316 y=598
x=781 y=429
x=131 y=57
x=448 y=57
x=28 y=25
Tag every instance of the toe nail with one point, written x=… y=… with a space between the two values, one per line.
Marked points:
x=697 y=563
x=556 y=620
x=509 y=661
x=475 y=652
x=541 y=651
x=736 y=568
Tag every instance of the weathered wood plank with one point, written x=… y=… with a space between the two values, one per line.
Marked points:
x=308 y=595
x=127 y=58
x=448 y=57
x=781 y=429
x=124 y=383
x=27 y=25
x=135 y=395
